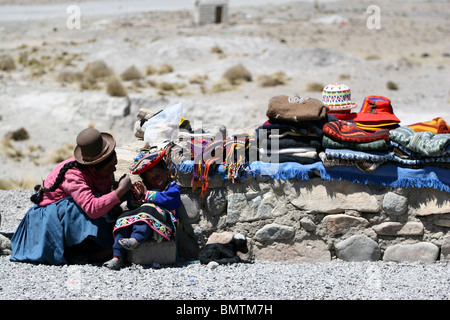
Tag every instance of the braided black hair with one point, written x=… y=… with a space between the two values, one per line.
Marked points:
x=37 y=197
x=40 y=189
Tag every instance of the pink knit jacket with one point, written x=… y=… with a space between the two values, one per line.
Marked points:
x=91 y=193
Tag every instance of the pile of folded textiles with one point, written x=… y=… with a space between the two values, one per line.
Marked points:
x=294 y=130
x=414 y=147
x=346 y=144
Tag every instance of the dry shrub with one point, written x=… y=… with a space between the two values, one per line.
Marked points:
x=237 y=74
x=198 y=79
x=7 y=63
x=315 y=86
x=18 y=135
x=391 y=85
x=69 y=75
x=132 y=73
x=222 y=85
x=165 y=68
x=26 y=183
x=97 y=70
x=60 y=154
x=115 y=88
x=275 y=79
x=149 y=70
x=8 y=148
x=171 y=87
x=216 y=49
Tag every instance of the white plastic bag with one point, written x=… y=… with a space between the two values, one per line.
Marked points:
x=163 y=127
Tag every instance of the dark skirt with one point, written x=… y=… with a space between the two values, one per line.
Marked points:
x=45 y=232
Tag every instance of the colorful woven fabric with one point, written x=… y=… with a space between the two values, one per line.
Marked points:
x=157 y=218
x=437 y=125
x=377 y=145
x=341 y=131
x=376 y=108
x=337 y=96
x=425 y=143
x=144 y=162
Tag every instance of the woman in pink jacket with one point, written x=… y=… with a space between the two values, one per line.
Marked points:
x=74 y=208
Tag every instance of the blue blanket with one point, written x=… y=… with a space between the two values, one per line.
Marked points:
x=386 y=175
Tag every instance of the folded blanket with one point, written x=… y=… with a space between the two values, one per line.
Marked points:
x=363 y=165
x=296 y=109
x=312 y=127
x=306 y=152
x=425 y=143
x=437 y=125
x=347 y=154
x=294 y=142
x=378 y=145
x=341 y=131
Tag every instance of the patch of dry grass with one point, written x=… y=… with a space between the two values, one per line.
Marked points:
x=115 y=88
x=237 y=74
x=275 y=79
x=132 y=73
x=391 y=85
x=314 y=87
x=26 y=183
x=60 y=154
x=7 y=63
x=165 y=68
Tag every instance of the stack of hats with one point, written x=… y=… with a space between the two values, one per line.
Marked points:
x=376 y=114
x=338 y=99
x=294 y=130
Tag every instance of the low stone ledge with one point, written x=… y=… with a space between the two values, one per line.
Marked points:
x=316 y=220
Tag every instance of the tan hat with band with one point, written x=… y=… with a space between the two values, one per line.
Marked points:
x=93 y=146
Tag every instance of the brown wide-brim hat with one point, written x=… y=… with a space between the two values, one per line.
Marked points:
x=93 y=146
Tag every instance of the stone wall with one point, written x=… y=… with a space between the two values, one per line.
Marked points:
x=314 y=220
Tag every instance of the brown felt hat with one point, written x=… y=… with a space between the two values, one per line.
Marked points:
x=93 y=146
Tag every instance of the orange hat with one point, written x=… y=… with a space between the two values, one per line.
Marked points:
x=376 y=108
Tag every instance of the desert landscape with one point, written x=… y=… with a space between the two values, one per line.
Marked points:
x=56 y=80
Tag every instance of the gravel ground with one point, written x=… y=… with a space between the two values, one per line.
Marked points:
x=193 y=281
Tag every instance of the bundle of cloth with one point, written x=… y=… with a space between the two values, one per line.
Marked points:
x=421 y=144
x=293 y=131
x=346 y=144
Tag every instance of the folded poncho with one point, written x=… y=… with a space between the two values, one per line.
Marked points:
x=341 y=131
x=378 y=145
x=437 y=125
x=425 y=143
x=296 y=109
x=294 y=142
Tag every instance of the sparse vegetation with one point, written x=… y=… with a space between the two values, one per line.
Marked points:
x=7 y=63
x=149 y=70
x=314 y=87
x=237 y=74
x=115 y=88
x=97 y=70
x=60 y=154
x=222 y=85
x=275 y=79
x=132 y=73
x=391 y=85
x=165 y=68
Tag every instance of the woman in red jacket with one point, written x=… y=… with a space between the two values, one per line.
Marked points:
x=73 y=211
